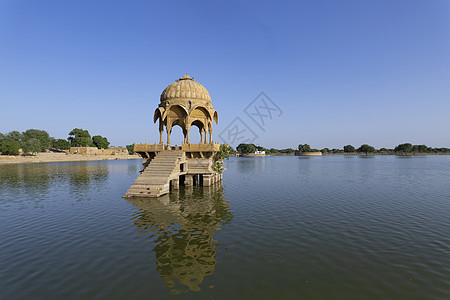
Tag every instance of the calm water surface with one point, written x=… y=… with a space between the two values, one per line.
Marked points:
x=333 y=227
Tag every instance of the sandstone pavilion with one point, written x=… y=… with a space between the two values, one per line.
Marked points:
x=185 y=103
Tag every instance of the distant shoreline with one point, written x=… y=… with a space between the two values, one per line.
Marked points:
x=350 y=154
x=59 y=157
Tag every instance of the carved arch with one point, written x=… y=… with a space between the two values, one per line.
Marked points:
x=202 y=109
x=158 y=114
x=179 y=110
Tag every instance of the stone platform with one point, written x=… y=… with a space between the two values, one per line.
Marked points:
x=167 y=168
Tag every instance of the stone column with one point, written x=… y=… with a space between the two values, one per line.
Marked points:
x=195 y=179
x=210 y=134
x=169 y=130
x=188 y=128
x=175 y=184
x=161 y=129
x=207 y=180
x=188 y=180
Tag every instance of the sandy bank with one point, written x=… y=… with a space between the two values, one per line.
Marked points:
x=59 y=157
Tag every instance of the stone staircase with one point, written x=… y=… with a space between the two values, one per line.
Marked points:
x=154 y=181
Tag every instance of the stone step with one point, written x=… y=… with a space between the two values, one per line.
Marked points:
x=146 y=186
x=153 y=178
x=154 y=181
x=149 y=182
x=161 y=163
x=156 y=175
x=158 y=171
x=167 y=165
x=158 y=190
x=159 y=168
x=143 y=191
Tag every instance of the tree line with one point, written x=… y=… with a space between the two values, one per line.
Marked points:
x=35 y=141
x=401 y=149
x=251 y=148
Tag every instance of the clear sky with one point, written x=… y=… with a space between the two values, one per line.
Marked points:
x=342 y=72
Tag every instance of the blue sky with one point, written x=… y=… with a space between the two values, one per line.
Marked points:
x=342 y=72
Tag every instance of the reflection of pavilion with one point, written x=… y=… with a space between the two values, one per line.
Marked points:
x=183 y=224
x=185 y=103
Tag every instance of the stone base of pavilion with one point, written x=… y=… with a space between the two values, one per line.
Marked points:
x=169 y=167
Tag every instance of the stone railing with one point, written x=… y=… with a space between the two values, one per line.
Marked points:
x=149 y=147
x=200 y=147
x=185 y=147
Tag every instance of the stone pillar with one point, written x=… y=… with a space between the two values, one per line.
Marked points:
x=161 y=129
x=175 y=184
x=169 y=130
x=201 y=136
x=210 y=134
x=188 y=128
x=208 y=180
x=195 y=177
x=188 y=180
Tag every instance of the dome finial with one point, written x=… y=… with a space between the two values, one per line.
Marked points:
x=185 y=77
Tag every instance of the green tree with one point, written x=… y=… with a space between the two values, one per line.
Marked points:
x=79 y=138
x=10 y=146
x=15 y=135
x=404 y=148
x=420 y=148
x=366 y=149
x=61 y=144
x=130 y=149
x=384 y=150
x=100 y=142
x=325 y=150
x=246 y=148
x=273 y=150
x=230 y=149
x=32 y=145
x=40 y=135
x=260 y=148
x=287 y=150
x=218 y=160
x=304 y=148
x=349 y=149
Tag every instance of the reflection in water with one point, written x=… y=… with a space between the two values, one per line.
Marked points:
x=37 y=180
x=182 y=224
x=81 y=175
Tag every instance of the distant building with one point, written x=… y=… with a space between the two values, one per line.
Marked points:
x=96 y=151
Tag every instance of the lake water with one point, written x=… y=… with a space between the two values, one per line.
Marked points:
x=331 y=227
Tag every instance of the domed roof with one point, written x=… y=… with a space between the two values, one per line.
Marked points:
x=185 y=88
